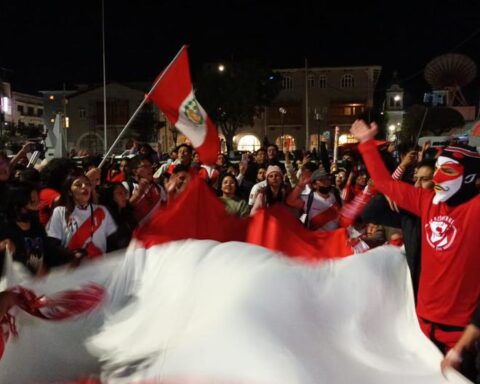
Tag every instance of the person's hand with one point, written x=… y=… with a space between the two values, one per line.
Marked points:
x=7 y=245
x=393 y=206
x=409 y=159
x=94 y=175
x=242 y=168
x=425 y=147
x=452 y=359
x=304 y=180
x=306 y=159
x=78 y=256
x=334 y=167
x=171 y=184
x=7 y=300
x=362 y=132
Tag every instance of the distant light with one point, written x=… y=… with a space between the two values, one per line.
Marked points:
x=51 y=97
x=343 y=139
x=67 y=122
x=52 y=120
x=282 y=110
x=6 y=105
x=398 y=124
x=221 y=67
x=392 y=128
x=271 y=77
x=397 y=98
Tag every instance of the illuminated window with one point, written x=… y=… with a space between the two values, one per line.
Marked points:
x=248 y=143
x=51 y=97
x=346 y=139
x=347 y=111
x=347 y=81
x=286 y=141
x=52 y=120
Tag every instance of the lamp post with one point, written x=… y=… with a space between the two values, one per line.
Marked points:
x=283 y=112
x=317 y=117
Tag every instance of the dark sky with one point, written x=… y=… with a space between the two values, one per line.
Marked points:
x=46 y=43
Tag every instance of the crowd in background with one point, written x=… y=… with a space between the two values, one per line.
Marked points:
x=61 y=212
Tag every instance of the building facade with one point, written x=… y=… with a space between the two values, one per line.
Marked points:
x=311 y=103
x=27 y=112
x=83 y=111
x=394 y=109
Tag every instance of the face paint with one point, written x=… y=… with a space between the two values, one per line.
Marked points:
x=448 y=179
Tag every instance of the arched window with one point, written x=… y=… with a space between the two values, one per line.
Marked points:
x=287 y=82
x=347 y=81
x=248 y=143
x=322 y=81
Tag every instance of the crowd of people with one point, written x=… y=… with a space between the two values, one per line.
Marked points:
x=425 y=200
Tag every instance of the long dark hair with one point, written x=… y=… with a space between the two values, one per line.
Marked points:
x=66 y=197
x=106 y=199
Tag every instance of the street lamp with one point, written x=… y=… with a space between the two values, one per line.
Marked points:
x=221 y=68
x=283 y=112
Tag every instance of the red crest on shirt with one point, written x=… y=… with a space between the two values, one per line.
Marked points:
x=441 y=232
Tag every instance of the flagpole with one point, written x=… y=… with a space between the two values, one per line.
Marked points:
x=140 y=107
x=307 y=122
x=105 y=138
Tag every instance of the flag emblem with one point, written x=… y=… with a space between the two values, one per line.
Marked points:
x=192 y=112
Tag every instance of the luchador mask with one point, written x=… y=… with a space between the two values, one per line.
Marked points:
x=454 y=179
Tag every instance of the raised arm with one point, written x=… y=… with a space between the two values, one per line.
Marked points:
x=405 y=195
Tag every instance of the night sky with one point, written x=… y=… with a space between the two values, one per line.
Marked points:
x=46 y=43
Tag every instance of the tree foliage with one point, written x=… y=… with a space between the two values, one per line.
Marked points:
x=233 y=97
x=144 y=127
x=436 y=120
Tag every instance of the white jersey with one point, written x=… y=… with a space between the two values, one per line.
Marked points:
x=319 y=205
x=97 y=230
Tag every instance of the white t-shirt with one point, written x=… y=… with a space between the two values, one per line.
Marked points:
x=103 y=226
x=319 y=205
x=254 y=191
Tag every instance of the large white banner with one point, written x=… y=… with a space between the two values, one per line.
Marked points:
x=201 y=311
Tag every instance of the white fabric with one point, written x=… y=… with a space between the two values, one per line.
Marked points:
x=233 y=313
x=58 y=227
x=192 y=120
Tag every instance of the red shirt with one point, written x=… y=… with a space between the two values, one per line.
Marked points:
x=449 y=288
x=47 y=197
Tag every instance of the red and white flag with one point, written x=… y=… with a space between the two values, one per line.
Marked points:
x=174 y=96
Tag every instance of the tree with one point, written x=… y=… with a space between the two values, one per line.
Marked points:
x=144 y=128
x=234 y=96
x=437 y=120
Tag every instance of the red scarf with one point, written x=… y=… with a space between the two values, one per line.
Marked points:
x=86 y=231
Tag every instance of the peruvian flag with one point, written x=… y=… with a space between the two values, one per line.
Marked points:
x=173 y=95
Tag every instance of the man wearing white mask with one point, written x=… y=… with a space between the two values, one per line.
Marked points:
x=449 y=289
